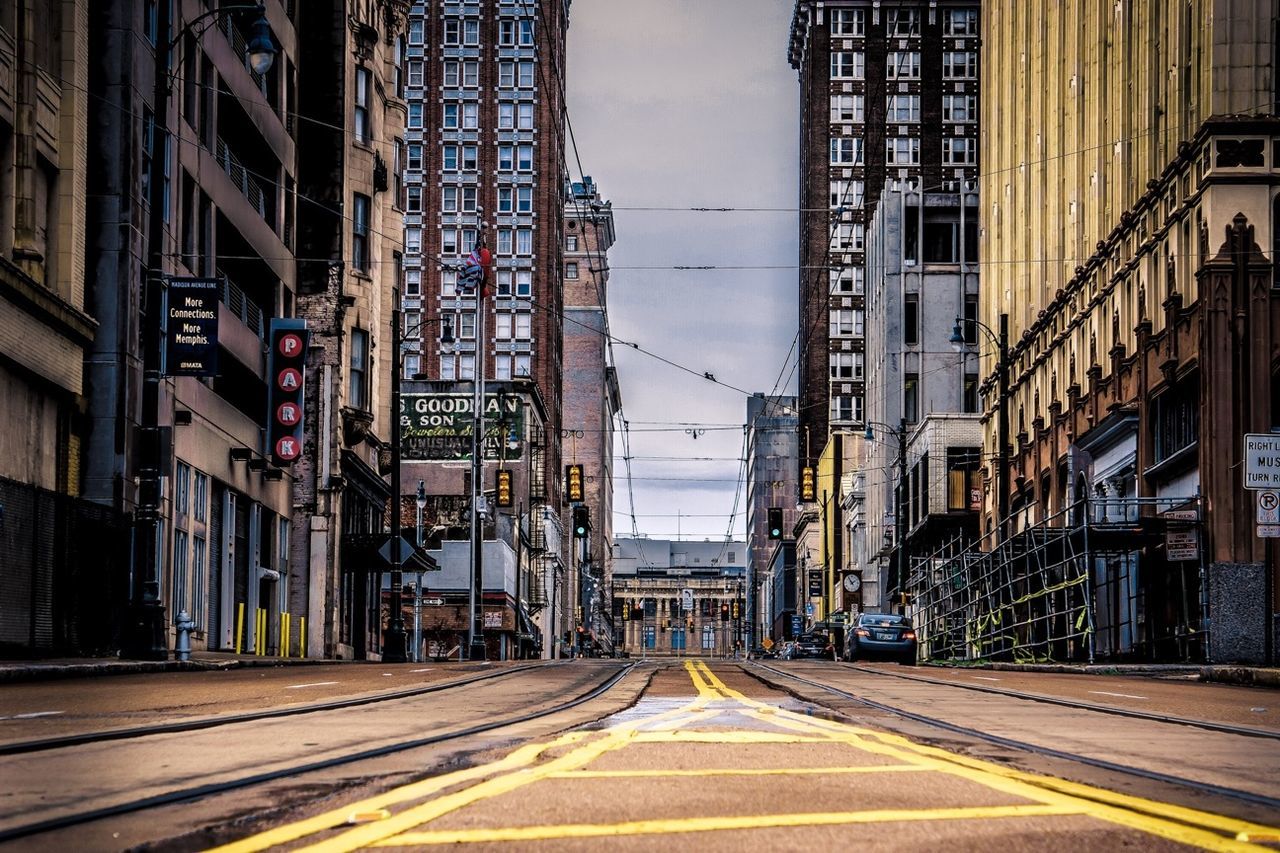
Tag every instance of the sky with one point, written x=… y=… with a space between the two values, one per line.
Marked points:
x=678 y=104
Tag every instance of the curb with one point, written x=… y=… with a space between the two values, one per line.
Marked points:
x=14 y=674
x=1250 y=676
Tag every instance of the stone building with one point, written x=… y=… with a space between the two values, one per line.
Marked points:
x=772 y=451
x=349 y=230
x=184 y=455
x=1129 y=228
x=52 y=596
x=889 y=91
x=591 y=393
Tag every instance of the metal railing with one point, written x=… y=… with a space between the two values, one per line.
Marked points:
x=248 y=186
x=241 y=305
x=241 y=48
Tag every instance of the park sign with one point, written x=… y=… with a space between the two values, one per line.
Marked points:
x=191 y=327
x=437 y=427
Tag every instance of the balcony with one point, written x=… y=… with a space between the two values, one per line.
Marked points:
x=241 y=306
x=249 y=187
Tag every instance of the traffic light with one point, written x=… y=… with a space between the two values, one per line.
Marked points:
x=724 y=611
x=808 y=485
x=573 y=483
x=737 y=613
x=581 y=522
x=626 y=610
x=775 y=522
x=286 y=369
x=502 y=487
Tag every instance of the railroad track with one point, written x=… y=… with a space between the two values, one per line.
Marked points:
x=82 y=738
x=248 y=781
x=1049 y=752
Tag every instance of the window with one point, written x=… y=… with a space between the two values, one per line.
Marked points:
x=467 y=326
x=413 y=199
x=412 y=365
x=841 y=322
x=360 y=233
x=524 y=199
x=503 y=280
x=1177 y=419
x=846 y=150
x=524 y=158
x=413 y=282
x=846 y=194
x=416 y=76
x=506 y=115
x=971 y=320
x=522 y=365
x=417 y=31
x=200 y=497
x=198 y=563
x=524 y=283
x=506 y=74
x=502 y=245
x=960 y=22
x=448 y=367
x=452 y=113
x=960 y=108
x=448 y=283
x=911 y=397
x=526 y=32
x=471 y=31
x=526 y=75
x=841 y=365
x=467 y=367
x=902 y=65
x=450 y=158
x=506 y=158
x=505 y=203
x=960 y=65
x=502 y=325
x=451 y=74
x=524 y=117
x=847 y=108
x=471 y=74
x=179 y=603
x=358 y=379
x=903 y=23
x=524 y=241
x=841 y=281
x=468 y=204
x=959 y=151
x=848 y=64
x=848 y=237
x=470 y=116
x=970 y=402
x=415 y=114
x=469 y=157
x=848 y=22
x=571 y=270
x=902 y=151
x=506 y=32
x=449 y=241
x=363 y=124
x=502 y=367
x=903 y=108
x=846 y=407
x=911 y=319
x=449 y=199
x=571 y=243
x=524 y=325
x=452 y=31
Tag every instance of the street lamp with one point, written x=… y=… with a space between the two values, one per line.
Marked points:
x=472 y=276
x=420 y=499
x=144 y=634
x=900 y=503
x=1001 y=341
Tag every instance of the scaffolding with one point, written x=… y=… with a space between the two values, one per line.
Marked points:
x=1112 y=579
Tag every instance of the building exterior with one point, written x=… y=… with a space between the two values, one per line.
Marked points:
x=772 y=451
x=889 y=91
x=673 y=597
x=924 y=249
x=1129 y=236
x=591 y=393
x=49 y=591
x=186 y=451
x=352 y=98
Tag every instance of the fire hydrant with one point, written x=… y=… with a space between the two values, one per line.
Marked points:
x=182 y=651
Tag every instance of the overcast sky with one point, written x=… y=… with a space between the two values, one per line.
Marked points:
x=690 y=103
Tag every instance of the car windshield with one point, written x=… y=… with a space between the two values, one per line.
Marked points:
x=884 y=620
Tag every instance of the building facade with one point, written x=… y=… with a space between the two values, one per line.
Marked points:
x=591 y=394
x=889 y=90
x=674 y=597
x=772 y=451
x=183 y=455
x=1129 y=232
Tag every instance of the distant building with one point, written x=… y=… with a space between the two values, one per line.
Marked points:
x=889 y=91
x=674 y=597
x=772 y=482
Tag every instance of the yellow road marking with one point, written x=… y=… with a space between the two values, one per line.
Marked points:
x=725 y=737
x=733 y=771
x=715 y=824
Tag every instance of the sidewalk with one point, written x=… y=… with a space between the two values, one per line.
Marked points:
x=55 y=668
x=1252 y=676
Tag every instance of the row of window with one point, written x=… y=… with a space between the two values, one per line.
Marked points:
x=903 y=151
x=903 y=23
x=462 y=367
x=904 y=65
x=903 y=108
x=507 y=283
x=508 y=325
x=465 y=74
x=465 y=115
x=465 y=32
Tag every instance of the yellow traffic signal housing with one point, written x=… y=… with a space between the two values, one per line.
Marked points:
x=502 y=486
x=573 y=483
x=808 y=484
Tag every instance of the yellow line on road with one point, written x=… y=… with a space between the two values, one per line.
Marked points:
x=733 y=771
x=715 y=824
x=726 y=737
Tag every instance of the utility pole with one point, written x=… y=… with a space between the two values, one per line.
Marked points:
x=474 y=272
x=1002 y=432
x=393 y=646
x=902 y=505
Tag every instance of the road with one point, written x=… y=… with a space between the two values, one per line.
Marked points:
x=717 y=755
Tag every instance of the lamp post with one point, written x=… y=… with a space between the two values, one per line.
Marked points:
x=420 y=499
x=1001 y=341
x=900 y=503
x=473 y=276
x=144 y=634
x=393 y=645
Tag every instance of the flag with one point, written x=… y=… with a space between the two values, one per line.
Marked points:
x=474 y=272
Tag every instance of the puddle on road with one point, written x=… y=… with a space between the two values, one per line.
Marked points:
x=718 y=713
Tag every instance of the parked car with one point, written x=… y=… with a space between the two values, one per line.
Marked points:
x=812 y=646
x=883 y=635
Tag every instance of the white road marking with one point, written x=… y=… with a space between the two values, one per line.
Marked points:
x=984 y=677
x=312 y=684
x=33 y=714
x=420 y=670
x=1121 y=695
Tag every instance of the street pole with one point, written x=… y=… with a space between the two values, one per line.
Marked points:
x=475 y=640
x=393 y=646
x=901 y=505
x=1002 y=431
x=420 y=499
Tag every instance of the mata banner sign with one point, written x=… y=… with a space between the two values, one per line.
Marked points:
x=437 y=427
x=191 y=327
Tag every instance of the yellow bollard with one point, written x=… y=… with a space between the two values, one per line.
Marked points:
x=262 y=632
x=284 y=634
x=239 y=626
x=302 y=636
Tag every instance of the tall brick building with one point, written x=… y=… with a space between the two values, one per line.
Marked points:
x=889 y=90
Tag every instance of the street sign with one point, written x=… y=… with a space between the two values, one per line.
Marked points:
x=1268 y=508
x=406 y=550
x=432 y=602
x=1261 y=461
x=686 y=599
x=1269 y=531
x=767 y=643
x=808 y=608
x=1181 y=545
x=796 y=624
